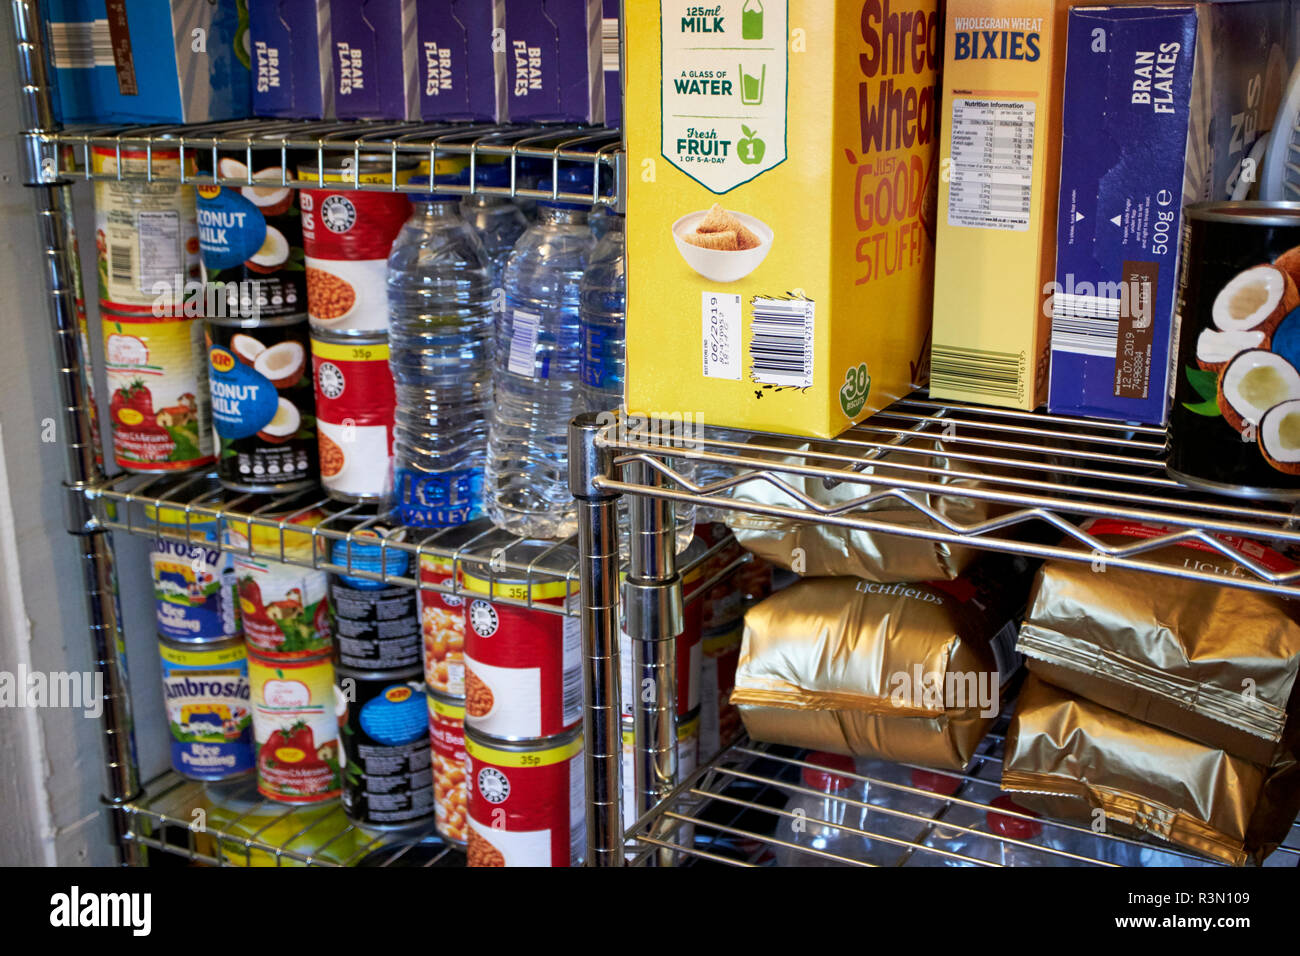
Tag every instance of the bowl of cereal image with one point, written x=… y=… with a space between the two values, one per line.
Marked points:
x=722 y=245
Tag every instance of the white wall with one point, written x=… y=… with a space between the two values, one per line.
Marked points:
x=51 y=761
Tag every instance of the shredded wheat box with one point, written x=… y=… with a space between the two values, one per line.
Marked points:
x=996 y=249
x=782 y=172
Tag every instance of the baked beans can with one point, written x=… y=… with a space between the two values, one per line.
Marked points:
x=719 y=720
x=447 y=742
x=297 y=712
x=523 y=665
x=527 y=801
x=263 y=410
x=250 y=242
x=193 y=580
x=376 y=622
x=688 y=758
x=207 y=698
x=283 y=604
x=442 y=614
x=159 y=407
x=355 y=403
x=387 y=763
x=688 y=652
x=347 y=234
x=146 y=237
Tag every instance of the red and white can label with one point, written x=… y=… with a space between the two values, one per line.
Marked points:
x=447 y=742
x=523 y=666
x=719 y=719
x=526 y=807
x=689 y=655
x=355 y=403
x=296 y=714
x=442 y=622
x=346 y=237
x=688 y=758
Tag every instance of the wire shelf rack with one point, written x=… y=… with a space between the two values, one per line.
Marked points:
x=750 y=806
x=230 y=824
x=196 y=510
x=295 y=145
x=1033 y=478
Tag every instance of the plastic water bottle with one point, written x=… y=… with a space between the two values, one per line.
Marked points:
x=535 y=374
x=440 y=351
x=498 y=220
x=602 y=313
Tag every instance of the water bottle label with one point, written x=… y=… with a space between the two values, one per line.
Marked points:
x=441 y=500
x=601 y=362
x=522 y=359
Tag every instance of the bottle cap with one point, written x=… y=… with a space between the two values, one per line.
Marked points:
x=824 y=778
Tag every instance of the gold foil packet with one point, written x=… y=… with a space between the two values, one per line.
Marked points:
x=816 y=549
x=1215 y=664
x=912 y=673
x=1068 y=757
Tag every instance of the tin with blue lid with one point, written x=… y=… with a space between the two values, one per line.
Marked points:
x=376 y=621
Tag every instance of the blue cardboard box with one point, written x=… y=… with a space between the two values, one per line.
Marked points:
x=70 y=38
x=1161 y=105
x=554 y=67
x=461 y=51
x=373 y=43
x=292 y=63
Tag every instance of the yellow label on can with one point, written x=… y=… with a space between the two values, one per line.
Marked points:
x=523 y=758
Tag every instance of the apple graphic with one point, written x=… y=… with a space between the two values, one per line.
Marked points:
x=751 y=148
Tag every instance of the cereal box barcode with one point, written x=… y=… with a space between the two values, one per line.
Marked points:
x=1085 y=324
x=609 y=44
x=781 y=343
x=978 y=371
x=523 y=343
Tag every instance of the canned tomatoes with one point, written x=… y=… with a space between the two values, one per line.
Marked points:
x=206 y=694
x=447 y=740
x=387 y=775
x=145 y=232
x=193 y=581
x=355 y=402
x=523 y=666
x=688 y=758
x=158 y=386
x=250 y=242
x=296 y=717
x=376 y=623
x=719 y=720
x=347 y=235
x=527 y=802
x=262 y=407
x=442 y=615
x=284 y=608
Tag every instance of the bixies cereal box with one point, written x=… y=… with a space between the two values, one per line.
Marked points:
x=782 y=175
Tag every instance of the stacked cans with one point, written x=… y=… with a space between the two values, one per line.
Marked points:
x=523 y=715
x=347 y=237
x=263 y=413
x=387 y=775
x=204 y=664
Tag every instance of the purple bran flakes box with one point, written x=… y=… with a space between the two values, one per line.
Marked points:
x=609 y=54
x=462 y=67
x=375 y=69
x=554 y=68
x=292 y=67
x=1161 y=105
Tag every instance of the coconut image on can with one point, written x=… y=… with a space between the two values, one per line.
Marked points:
x=1235 y=421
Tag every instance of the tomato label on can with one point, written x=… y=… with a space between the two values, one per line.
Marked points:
x=262 y=408
x=527 y=807
x=447 y=739
x=158 y=387
x=355 y=405
x=387 y=768
x=194 y=591
x=523 y=666
x=442 y=625
x=296 y=714
x=146 y=236
x=284 y=608
x=206 y=694
x=347 y=235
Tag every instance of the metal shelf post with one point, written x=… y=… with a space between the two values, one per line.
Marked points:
x=54 y=220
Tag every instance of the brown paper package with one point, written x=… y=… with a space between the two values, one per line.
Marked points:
x=1067 y=757
x=1214 y=664
x=820 y=666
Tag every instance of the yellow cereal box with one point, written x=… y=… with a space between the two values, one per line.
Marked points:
x=782 y=180
x=1003 y=70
